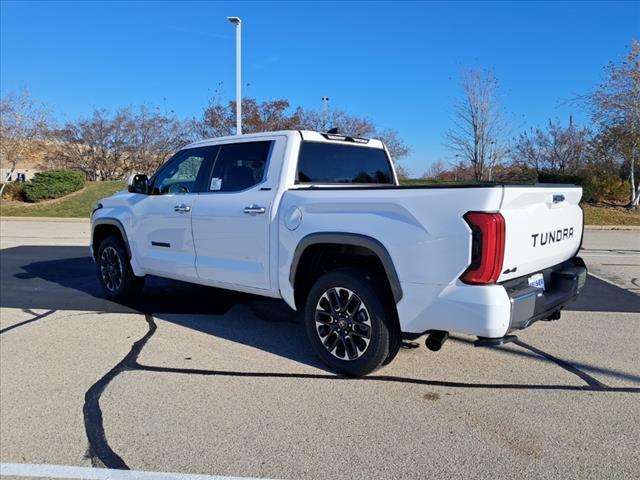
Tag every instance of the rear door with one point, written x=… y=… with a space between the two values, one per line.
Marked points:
x=543 y=227
x=232 y=220
x=162 y=227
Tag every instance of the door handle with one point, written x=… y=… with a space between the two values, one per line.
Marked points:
x=254 y=209
x=182 y=208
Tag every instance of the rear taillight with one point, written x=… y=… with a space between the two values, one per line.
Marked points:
x=487 y=247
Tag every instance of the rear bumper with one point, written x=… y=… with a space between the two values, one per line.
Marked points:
x=489 y=311
x=563 y=283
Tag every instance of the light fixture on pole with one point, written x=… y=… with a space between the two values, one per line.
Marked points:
x=325 y=112
x=238 y=24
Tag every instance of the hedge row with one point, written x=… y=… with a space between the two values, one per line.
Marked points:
x=53 y=184
x=596 y=186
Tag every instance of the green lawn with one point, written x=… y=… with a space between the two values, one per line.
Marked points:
x=77 y=204
x=610 y=216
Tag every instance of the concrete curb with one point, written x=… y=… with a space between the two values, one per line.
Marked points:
x=45 y=219
x=612 y=227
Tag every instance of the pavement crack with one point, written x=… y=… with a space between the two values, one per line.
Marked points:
x=38 y=316
x=592 y=382
x=387 y=378
x=99 y=449
x=101 y=454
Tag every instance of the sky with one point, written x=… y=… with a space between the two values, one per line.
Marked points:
x=395 y=63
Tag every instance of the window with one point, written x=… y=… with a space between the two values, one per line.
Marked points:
x=181 y=173
x=331 y=163
x=239 y=166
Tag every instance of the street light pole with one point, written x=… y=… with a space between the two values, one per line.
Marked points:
x=238 y=24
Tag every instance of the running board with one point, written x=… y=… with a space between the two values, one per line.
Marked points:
x=494 y=342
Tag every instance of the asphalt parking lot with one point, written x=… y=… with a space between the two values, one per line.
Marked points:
x=196 y=380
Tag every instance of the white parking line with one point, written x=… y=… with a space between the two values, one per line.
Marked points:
x=63 y=471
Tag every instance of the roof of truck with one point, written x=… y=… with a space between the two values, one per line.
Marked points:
x=307 y=135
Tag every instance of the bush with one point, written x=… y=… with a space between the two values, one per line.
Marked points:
x=13 y=191
x=53 y=184
x=604 y=187
x=547 y=177
x=597 y=186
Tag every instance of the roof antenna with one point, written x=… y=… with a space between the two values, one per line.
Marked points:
x=333 y=131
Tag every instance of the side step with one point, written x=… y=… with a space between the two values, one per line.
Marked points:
x=494 y=342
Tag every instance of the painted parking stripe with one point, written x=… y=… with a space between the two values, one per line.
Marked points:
x=63 y=471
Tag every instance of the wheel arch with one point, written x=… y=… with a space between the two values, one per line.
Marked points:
x=341 y=239
x=103 y=227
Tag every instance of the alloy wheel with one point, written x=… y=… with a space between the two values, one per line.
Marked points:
x=343 y=323
x=111 y=269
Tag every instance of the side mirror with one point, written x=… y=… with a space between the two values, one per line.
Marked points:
x=138 y=183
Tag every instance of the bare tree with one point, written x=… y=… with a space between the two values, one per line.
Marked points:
x=477 y=135
x=219 y=120
x=23 y=124
x=357 y=127
x=152 y=137
x=556 y=149
x=530 y=149
x=615 y=106
x=109 y=146
x=435 y=171
x=94 y=145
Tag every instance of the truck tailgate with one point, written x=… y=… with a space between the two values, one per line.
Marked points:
x=543 y=227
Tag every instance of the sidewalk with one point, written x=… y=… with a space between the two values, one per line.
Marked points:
x=16 y=231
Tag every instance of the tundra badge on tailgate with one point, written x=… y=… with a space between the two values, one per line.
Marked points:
x=552 y=237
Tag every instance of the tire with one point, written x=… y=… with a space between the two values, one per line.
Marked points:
x=114 y=271
x=354 y=333
x=395 y=341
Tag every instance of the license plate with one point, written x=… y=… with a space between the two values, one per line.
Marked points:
x=537 y=281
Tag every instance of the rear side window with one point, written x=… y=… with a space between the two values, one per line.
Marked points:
x=331 y=163
x=239 y=166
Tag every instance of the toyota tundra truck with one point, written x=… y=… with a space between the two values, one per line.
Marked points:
x=320 y=221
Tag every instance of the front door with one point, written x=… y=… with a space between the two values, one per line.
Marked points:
x=162 y=236
x=231 y=223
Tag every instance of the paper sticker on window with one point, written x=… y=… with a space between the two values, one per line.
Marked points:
x=216 y=184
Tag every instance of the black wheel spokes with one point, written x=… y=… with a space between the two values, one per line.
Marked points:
x=111 y=269
x=323 y=317
x=353 y=305
x=334 y=300
x=343 y=323
x=351 y=348
x=331 y=340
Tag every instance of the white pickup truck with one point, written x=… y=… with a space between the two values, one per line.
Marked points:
x=319 y=220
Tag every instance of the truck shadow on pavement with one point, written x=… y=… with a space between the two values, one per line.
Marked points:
x=64 y=278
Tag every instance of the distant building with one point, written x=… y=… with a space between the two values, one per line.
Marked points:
x=6 y=175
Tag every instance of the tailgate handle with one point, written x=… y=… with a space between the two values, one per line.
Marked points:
x=558 y=198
